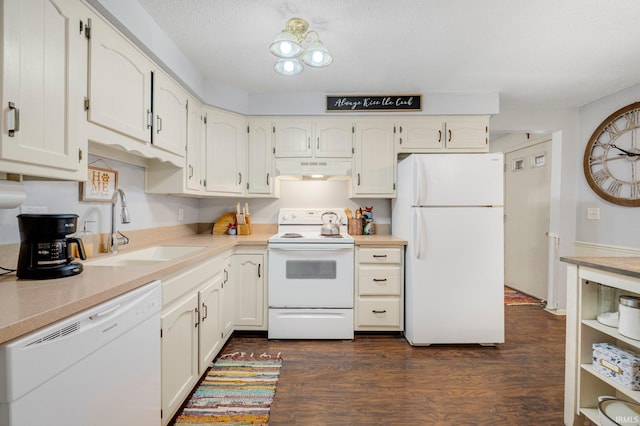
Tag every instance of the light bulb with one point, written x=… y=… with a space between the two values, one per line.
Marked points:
x=316 y=58
x=288 y=66
x=285 y=48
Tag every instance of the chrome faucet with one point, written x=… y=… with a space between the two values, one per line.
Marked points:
x=117 y=237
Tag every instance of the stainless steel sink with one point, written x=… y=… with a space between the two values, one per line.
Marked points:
x=149 y=256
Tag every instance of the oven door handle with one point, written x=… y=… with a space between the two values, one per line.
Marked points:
x=310 y=247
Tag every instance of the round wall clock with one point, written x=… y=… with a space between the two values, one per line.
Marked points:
x=612 y=157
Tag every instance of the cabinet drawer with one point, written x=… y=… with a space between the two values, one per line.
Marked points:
x=374 y=280
x=379 y=312
x=380 y=255
x=181 y=283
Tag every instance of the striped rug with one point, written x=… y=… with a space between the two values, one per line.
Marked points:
x=238 y=389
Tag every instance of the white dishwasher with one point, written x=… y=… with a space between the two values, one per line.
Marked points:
x=98 y=367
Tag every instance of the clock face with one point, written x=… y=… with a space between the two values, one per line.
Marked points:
x=612 y=157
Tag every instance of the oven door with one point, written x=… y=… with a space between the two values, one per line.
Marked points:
x=310 y=275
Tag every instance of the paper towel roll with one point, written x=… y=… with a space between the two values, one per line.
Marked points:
x=12 y=194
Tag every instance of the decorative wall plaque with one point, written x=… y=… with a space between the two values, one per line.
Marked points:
x=374 y=103
x=100 y=185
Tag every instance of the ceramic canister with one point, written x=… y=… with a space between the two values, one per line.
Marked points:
x=629 y=322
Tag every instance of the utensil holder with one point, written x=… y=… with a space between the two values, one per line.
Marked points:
x=355 y=227
x=246 y=228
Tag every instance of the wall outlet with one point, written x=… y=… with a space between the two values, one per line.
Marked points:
x=180 y=215
x=34 y=209
x=593 y=213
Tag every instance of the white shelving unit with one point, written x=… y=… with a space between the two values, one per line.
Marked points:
x=583 y=384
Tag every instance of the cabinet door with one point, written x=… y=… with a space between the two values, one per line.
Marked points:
x=196 y=138
x=170 y=115
x=210 y=334
x=43 y=86
x=468 y=133
x=334 y=138
x=292 y=138
x=423 y=134
x=119 y=83
x=228 y=297
x=226 y=151
x=374 y=173
x=248 y=279
x=260 y=165
x=179 y=353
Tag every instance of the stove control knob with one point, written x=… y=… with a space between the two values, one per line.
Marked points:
x=294 y=216
x=285 y=217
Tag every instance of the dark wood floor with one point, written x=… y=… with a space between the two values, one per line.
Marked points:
x=381 y=380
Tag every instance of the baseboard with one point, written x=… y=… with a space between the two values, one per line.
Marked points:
x=582 y=248
x=559 y=312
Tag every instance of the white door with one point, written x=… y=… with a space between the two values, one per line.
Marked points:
x=455 y=276
x=226 y=151
x=527 y=204
x=374 y=162
x=334 y=138
x=457 y=180
x=260 y=166
x=170 y=115
x=209 y=329
x=42 y=84
x=119 y=84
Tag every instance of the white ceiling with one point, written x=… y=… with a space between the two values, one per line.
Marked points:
x=535 y=53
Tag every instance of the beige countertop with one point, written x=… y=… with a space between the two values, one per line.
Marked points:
x=378 y=240
x=26 y=305
x=629 y=266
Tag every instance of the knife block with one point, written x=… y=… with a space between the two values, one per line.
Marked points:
x=246 y=228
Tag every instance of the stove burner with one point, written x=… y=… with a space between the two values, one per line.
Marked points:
x=332 y=236
x=291 y=235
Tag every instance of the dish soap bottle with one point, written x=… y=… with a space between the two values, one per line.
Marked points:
x=87 y=239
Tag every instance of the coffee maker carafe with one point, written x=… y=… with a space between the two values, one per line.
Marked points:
x=45 y=247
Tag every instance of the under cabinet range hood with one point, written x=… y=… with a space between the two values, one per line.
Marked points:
x=313 y=167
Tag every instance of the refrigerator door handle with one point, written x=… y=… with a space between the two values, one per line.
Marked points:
x=417 y=237
x=420 y=183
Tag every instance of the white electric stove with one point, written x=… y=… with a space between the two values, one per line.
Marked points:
x=310 y=277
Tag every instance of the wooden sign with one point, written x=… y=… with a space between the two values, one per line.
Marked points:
x=374 y=103
x=100 y=185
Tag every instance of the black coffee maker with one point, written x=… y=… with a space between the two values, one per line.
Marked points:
x=45 y=250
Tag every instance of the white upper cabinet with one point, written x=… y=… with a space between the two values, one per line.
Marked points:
x=292 y=138
x=196 y=146
x=334 y=138
x=322 y=138
x=374 y=168
x=442 y=133
x=468 y=133
x=261 y=179
x=119 y=83
x=43 y=89
x=226 y=153
x=170 y=115
x=418 y=133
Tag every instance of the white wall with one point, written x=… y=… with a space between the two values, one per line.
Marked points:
x=298 y=194
x=618 y=225
x=146 y=210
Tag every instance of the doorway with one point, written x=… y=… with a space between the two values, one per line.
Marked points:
x=527 y=217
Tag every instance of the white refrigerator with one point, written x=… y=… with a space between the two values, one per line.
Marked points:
x=449 y=207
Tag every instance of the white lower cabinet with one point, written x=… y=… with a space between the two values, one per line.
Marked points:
x=248 y=279
x=192 y=330
x=379 y=289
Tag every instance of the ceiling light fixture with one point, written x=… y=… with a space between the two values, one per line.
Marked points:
x=287 y=46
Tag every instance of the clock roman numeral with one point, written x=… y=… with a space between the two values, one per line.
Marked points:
x=632 y=119
x=635 y=190
x=600 y=177
x=612 y=131
x=614 y=188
